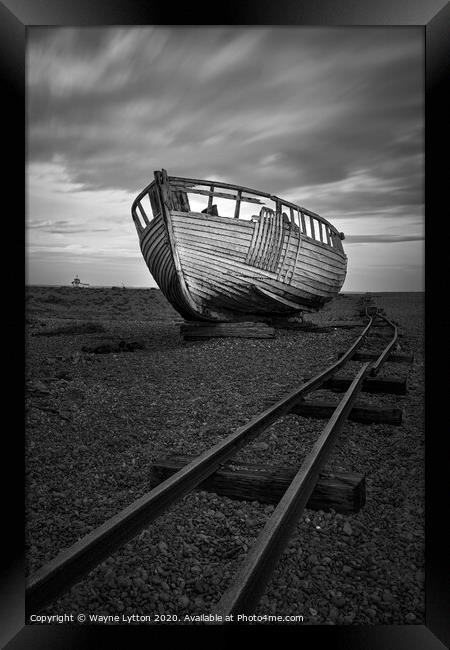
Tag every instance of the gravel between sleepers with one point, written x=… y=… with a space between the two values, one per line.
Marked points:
x=96 y=422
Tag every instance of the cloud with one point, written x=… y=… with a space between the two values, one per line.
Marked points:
x=385 y=239
x=62 y=226
x=326 y=102
x=331 y=118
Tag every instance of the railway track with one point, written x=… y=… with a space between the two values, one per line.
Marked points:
x=242 y=596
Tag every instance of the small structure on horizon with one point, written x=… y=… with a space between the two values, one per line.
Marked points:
x=76 y=282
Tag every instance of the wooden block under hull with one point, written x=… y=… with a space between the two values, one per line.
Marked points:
x=342 y=492
x=198 y=331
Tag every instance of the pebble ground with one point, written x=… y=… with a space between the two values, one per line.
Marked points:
x=96 y=422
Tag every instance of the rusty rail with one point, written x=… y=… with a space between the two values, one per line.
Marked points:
x=72 y=564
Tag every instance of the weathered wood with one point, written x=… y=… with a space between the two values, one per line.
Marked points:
x=320 y=231
x=237 y=207
x=302 y=217
x=276 y=298
x=394 y=385
x=297 y=253
x=208 y=277
x=285 y=267
x=394 y=357
x=200 y=330
x=210 y=200
x=383 y=333
x=219 y=195
x=363 y=414
x=184 y=182
x=143 y=213
x=342 y=492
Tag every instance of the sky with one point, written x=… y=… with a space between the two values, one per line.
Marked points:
x=329 y=118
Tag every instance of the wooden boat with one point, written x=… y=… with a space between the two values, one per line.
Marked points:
x=235 y=265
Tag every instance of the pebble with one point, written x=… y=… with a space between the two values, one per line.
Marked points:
x=163 y=596
x=355 y=556
x=339 y=602
x=263 y=446
x=347 y=528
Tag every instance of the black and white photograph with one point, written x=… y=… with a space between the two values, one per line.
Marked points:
x=225 y=306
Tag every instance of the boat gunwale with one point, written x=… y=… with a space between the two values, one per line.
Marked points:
x=220 y=184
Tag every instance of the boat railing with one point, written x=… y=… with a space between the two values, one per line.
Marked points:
x=307 y=223
x=154 y=205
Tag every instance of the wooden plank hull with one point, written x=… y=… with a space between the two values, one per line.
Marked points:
x=223 y=269
x=157 y=253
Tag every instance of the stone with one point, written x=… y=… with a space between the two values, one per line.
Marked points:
x=347 y=528
x=263 y=446
x=339 y=602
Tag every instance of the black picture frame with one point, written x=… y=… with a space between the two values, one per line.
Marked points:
x=434 y=16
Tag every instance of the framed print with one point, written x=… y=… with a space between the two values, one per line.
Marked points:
x=221 y=210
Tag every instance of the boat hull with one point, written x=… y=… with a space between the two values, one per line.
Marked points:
x=220 y=269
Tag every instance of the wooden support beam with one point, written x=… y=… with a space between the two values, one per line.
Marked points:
x=394 y=385
x=342 y=492
x=238 y=204
x=363 y=414
x=384 y=333
x=302 y=217
x=198 y=331
x=394 y=357
x=210 y=199
x=143 y=213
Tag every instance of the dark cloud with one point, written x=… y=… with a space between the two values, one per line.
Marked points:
x=116 y=104
x=329 y=117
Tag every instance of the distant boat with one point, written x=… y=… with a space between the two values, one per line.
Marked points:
x=211 y=267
